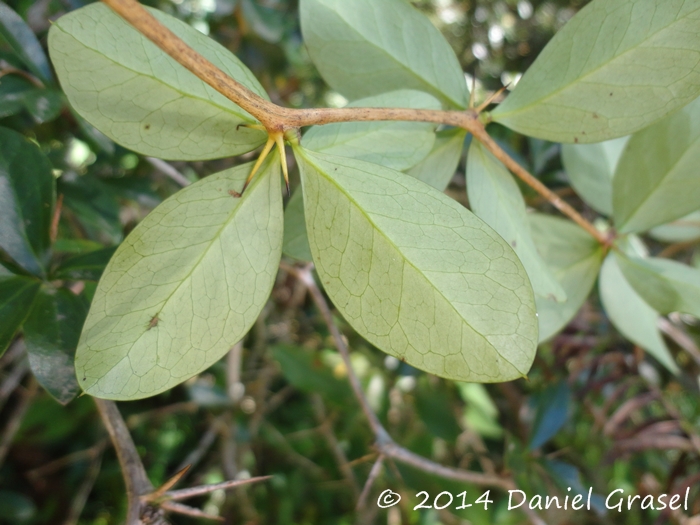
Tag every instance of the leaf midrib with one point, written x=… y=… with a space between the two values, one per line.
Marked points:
x=501 y=116
x=245 y=116
x=406 y=259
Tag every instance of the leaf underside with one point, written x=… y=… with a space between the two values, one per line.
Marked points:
x=417 y=274
x=186 y=285
x=138 y=96
x=615 y=68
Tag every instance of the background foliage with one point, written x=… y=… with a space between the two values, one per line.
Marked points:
x=596 y=411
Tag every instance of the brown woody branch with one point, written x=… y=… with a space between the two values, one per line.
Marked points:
x=277 y=119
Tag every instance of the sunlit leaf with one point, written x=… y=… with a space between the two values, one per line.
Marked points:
x=27 y=193
x=51 y=334
x=666 y=285
x=681 y=230
x=415 y=273
x=575 y=259
x=397 y=145
x=16 y=297
x=187 y=284
x=615 y=68
x=495 y=198
x=481 y=413
x=23 y=42
x=590 y=168
x=438 y=168
x=628 y=312
x=296 y=243
x=134 y=93
x=365 y=47
x=657 y=177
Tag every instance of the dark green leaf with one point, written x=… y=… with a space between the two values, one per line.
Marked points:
x=307 y=373
x=22 y=40
x=16 y=297
x=434 y=407
x=12 y=91
x=51 y=333
x=27 y=193
x=551 y=413
x=85 y=267
x=43 y=104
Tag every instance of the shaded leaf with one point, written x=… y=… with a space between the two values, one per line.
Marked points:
x=138 y=96
x=23 y=42
x=185 y=285
x=43 y=104
x=681 y=230
x=296 y=243
x=495 y=198
x=51 y=334
x=16 y=297
x=590 y=168
x=434 y=407
x=85 y=267
x=657 y=178
x=266 y=22
x=438 y=168
x=415 y=273
x=309 y=375
x=551 y=413
x=396 y=145
x=481 y=414
x=613 y=69
x=361 y=49
x=666 y=285
x=27 y=193
x=12 y=91
x=628 y=312
x=575 y=259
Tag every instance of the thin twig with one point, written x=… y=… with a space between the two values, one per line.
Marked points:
x=168 y=170
x=278 y=119
x=177 y=495
x=12 y=381
x=185 y=510
x=205 y=443
x=81 y=497
x=14 y=422
x=327 y=430
x=373 y=475
x=135 y=479
x=680 y=338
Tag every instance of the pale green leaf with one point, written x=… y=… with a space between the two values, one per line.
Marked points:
x=666 y=285
x=591 y=168
x=575 y=259
x=628 y=312
x=416 y=273
x=438 y=168
x=682 y=230
x=615 y=68
x=396 y=145
x=366 y=47
x=134 y=93
x=185 y=285
x=495 y=198
x=296 y=243
x=657 y=178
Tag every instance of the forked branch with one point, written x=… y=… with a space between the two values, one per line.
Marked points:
x=277 y=119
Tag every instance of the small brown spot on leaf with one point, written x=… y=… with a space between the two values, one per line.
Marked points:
x=611 y=94
x=147 y=126
x=576 y=140
x=514 y=244
x=153 y=322
x=595 y=115
x=234 y=194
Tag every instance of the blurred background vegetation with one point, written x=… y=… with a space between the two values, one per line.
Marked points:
x=595 y=411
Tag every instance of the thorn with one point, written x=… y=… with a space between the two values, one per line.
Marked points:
x=266 y=150
x=259 y=127
x=473 y=93
x=491 y=98
x=165 y=487
x=279 y=139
